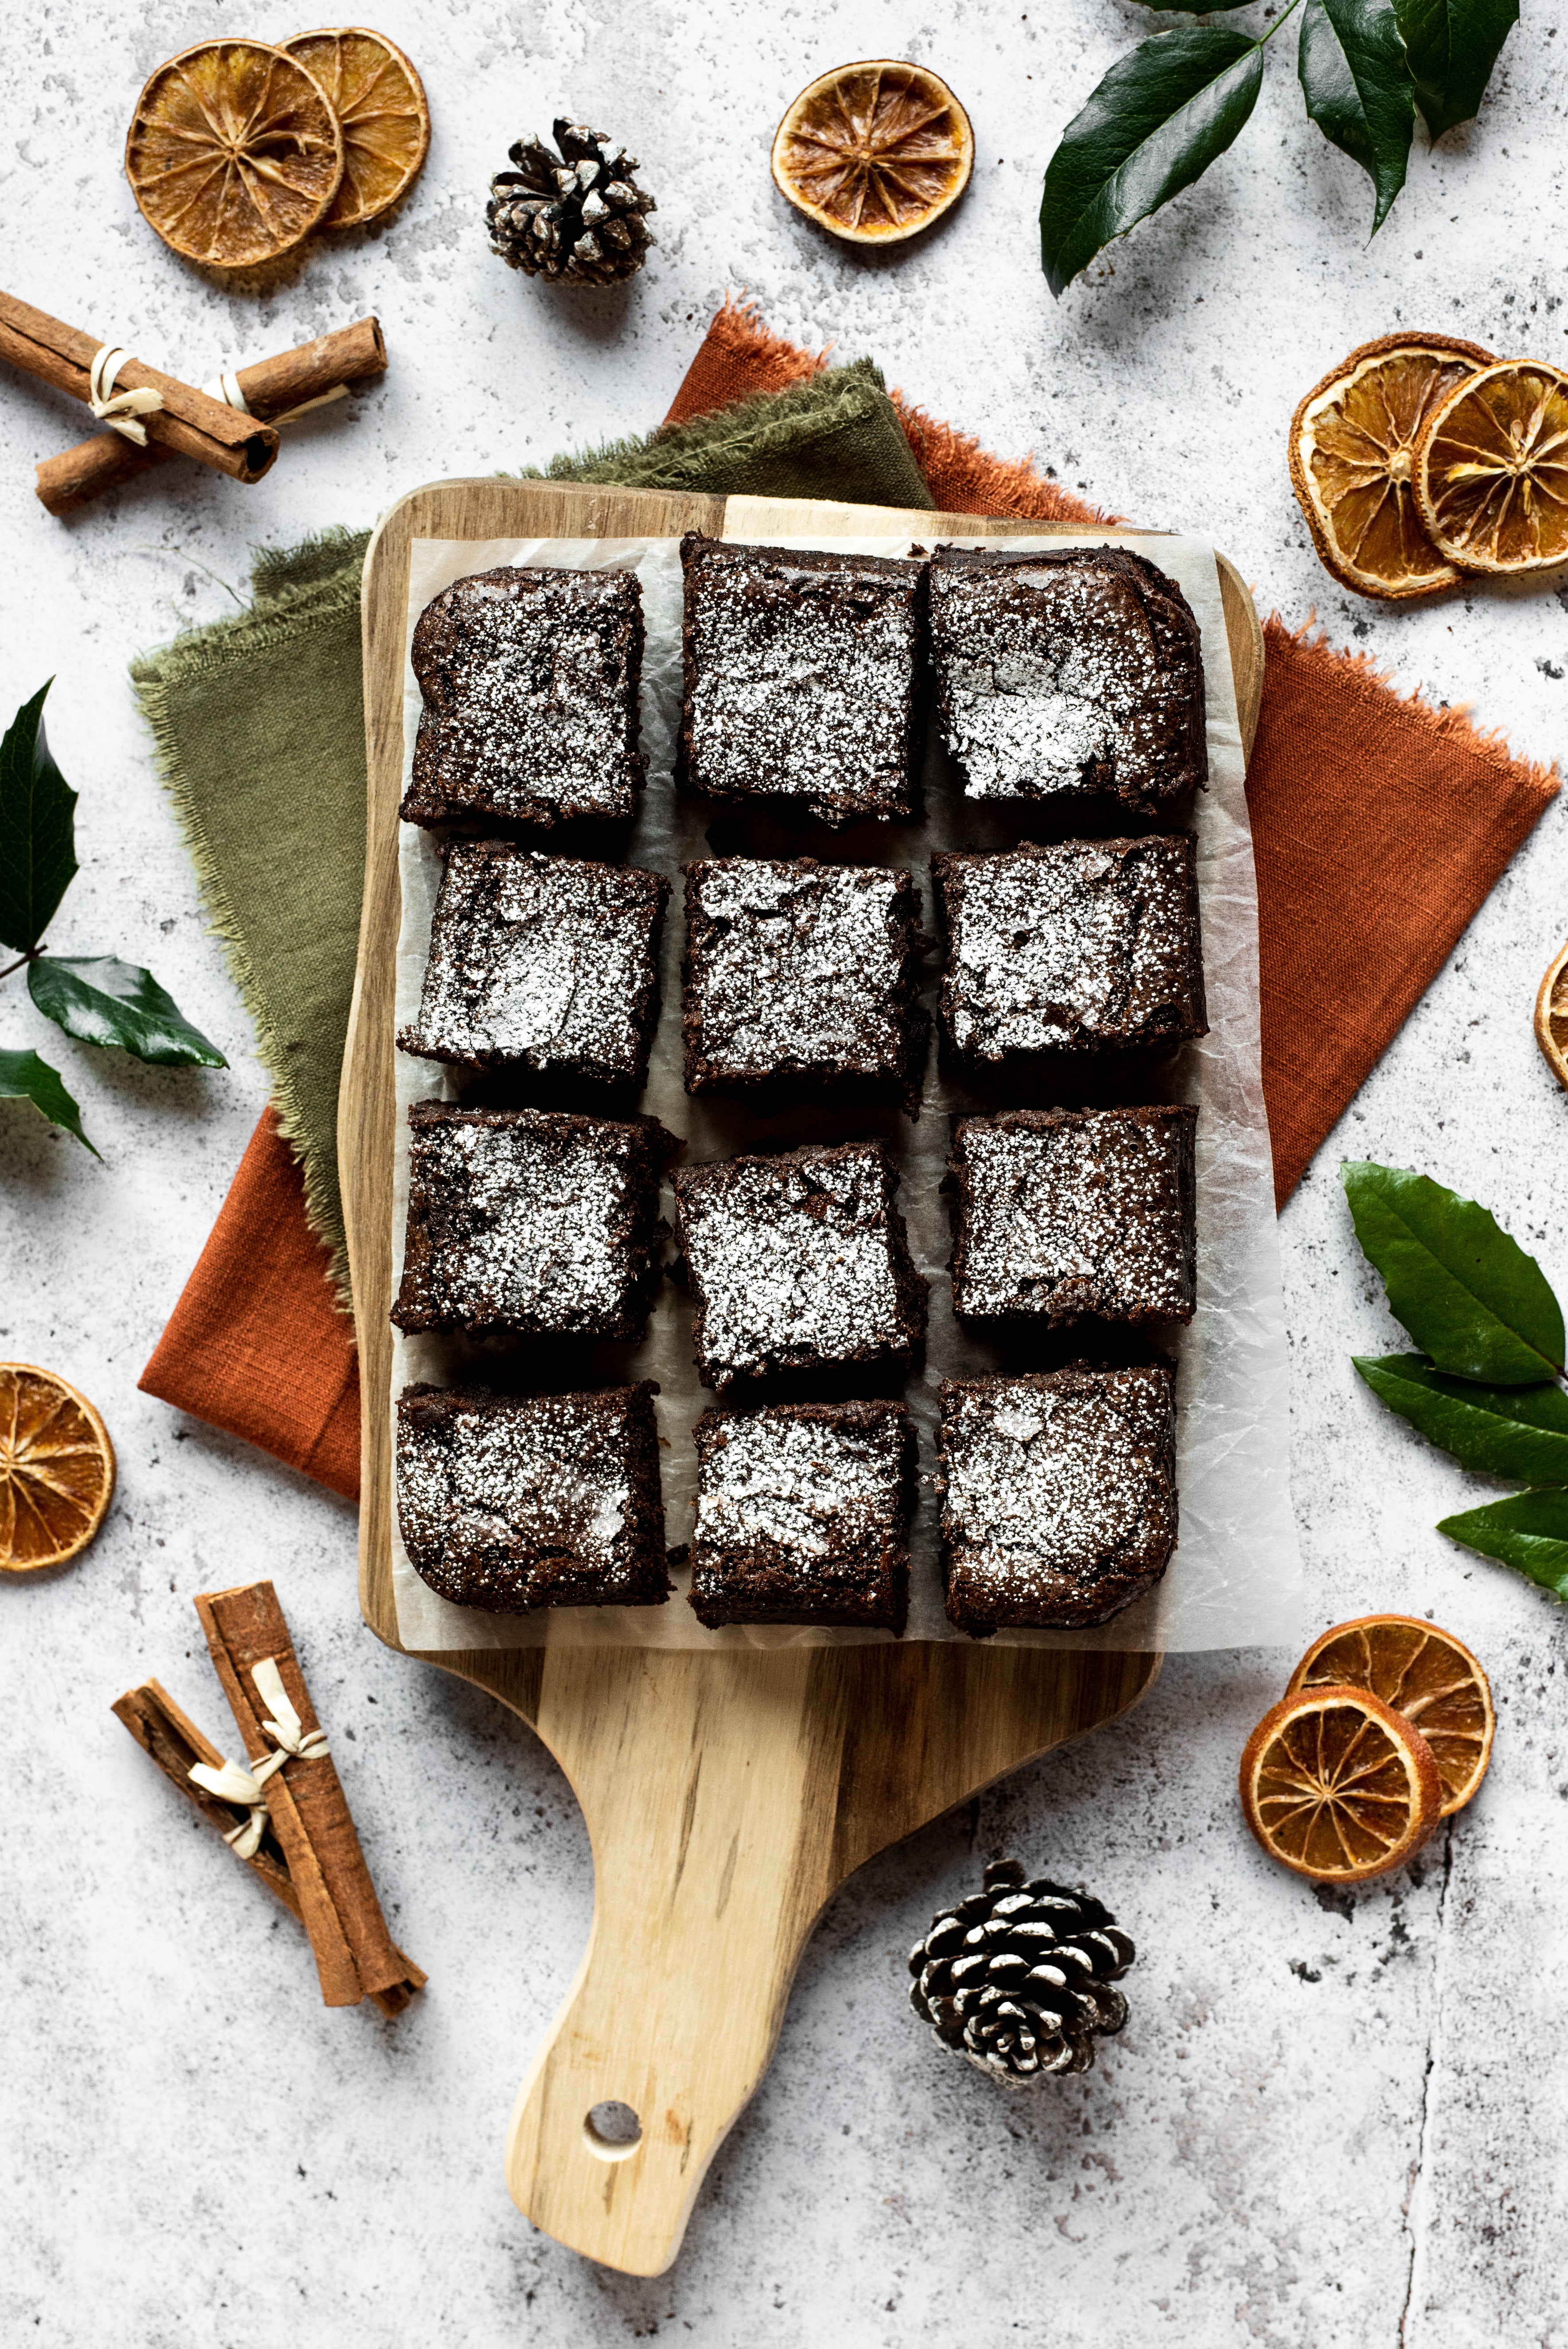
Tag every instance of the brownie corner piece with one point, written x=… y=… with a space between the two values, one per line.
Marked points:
x=512 y=1503
x=798 y=1260
x=542 y=962
x=801 y=678
x=532 y=1223
x=1071 y=948
x=1061 y=1213
x=529 y=680
x=1073 y=672
x=803 y=974
x=802 y=1516
x=1060 y=1506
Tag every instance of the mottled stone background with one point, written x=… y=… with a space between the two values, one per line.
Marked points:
x=1333 y=2122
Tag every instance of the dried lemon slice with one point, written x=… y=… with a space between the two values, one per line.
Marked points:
x=1491 y=471
x=874 y=152
x=1337 y=1786
x=1353 y=444
x=234 y=154
x=379 y=100
x=1426 y=1674
x=57 y=1469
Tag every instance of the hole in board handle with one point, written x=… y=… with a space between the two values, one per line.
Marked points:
x=613 y=2130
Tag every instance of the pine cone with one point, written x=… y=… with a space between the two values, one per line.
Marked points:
x=1016 y=1977
x=577 y=215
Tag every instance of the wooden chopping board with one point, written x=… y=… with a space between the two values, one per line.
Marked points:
x=727 y=1795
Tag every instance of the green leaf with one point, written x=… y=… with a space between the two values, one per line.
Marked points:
x=1452 y=46
x=1469 y=1295
x=38 y=829
x=1357 y=84
x=1154 y=125
x=1517 y=1431
x=23 y=1077
x=102 y=1001
x=1529 y=1530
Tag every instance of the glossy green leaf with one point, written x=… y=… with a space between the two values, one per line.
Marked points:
x=23 y=1077
x=1517 y=1431
x=1357 y=84
x=1528 y=1531
x=37 y=830
x=1154 y=125
x=1452 y=45
x=1469 y=1295
x=100 y=1000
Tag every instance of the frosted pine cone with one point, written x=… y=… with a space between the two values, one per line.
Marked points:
x=1018 y=1977
x=576 y=215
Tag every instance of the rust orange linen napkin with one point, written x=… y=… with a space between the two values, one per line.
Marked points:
x=1379 y=826
x=258 y=1343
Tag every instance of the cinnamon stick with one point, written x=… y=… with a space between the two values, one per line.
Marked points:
x=271 y=389
x=190 y=421
x=171 y=1739
x=355 y=1953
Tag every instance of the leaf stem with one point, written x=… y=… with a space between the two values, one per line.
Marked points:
x=31 y=955
x=1264 y=38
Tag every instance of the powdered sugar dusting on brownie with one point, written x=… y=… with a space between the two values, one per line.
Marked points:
x=529 y=1222
x=1065 y=1213
x=1086 y=942
x=801 y=678
x=542 y=962
x=1059 y=1491
x=794 y=1259
x=804 y=1486
x=1053 y=677
x=529 y=680
x=506 y=1503
x=799 y=965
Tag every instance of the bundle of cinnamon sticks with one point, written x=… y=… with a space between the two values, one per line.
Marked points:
x=230 y=424
x=303 y=1843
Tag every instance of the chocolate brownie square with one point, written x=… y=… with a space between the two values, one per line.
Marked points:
x=514 y=1502
x=802 y=1516
x=800 y=677
x=802 y=973
x=1059 y=1503
x=542 y=962
x=530 y=686
x=1092 y=942
x=539 y=1224
x=798 y=1260
x=1059 y=1213
x=1069 y=672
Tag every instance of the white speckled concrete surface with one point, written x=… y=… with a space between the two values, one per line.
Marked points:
x=1331 y=2123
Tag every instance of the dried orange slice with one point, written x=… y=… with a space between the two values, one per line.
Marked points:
x=57 y=1469
x=1424 y=1673
x=1491 y=471
x=234 y=154
x=874 y=152
x=1352 y=457
x=1338 y=1786
x=1551 y=1016
x=379 y=99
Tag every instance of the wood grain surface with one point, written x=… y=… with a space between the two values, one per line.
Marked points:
x=727 y=1794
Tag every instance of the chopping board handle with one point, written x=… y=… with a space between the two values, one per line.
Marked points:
x=708 y=1787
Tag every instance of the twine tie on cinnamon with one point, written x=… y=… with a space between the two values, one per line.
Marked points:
x=227 y=387
x=119 y=409
x=232 y=1784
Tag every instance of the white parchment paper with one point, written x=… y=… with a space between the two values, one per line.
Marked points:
x=1235 y=1579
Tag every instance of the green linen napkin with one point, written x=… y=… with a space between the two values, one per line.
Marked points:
x=259 y=726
